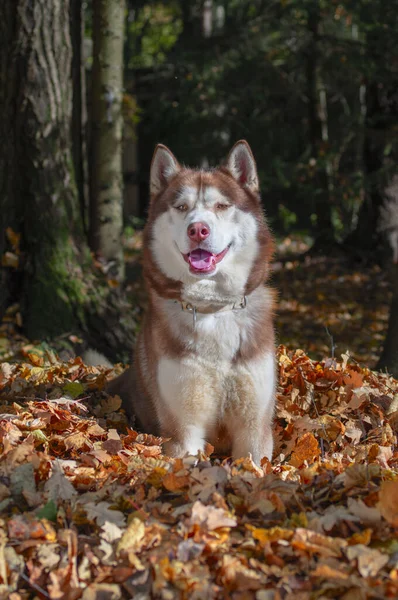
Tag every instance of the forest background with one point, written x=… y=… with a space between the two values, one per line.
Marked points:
x=88 y=89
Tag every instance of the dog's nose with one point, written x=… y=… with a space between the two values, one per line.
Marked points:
x=198 y=232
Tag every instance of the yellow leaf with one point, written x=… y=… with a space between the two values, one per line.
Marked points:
x=273 y=534
x=132 y=538
x=10 y=259
x=14 y=238
x=362 y=537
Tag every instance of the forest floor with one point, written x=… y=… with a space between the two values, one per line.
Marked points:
x=90 y=509
x=322 y=301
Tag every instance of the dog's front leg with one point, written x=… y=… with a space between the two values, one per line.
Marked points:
x=251 y=410
x=189 y=406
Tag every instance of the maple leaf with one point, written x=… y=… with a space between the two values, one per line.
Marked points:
x=58 y=487
x=101 y=513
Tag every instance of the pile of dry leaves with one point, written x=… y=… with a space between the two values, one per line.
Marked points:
x=90 y=509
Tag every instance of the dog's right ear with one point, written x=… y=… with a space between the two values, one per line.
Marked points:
x=164 y=165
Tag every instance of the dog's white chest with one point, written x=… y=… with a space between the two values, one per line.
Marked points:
x=212 y=338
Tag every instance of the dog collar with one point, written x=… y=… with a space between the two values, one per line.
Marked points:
x=211 y=309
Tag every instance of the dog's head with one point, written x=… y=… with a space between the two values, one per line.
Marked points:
x=206 y=226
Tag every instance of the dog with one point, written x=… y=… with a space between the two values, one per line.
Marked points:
x=204 y=364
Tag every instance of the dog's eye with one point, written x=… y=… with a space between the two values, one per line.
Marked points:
x=181 y=207
x=222 y=206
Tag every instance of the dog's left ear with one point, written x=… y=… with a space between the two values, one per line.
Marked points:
x=242 y=166
x=164 y=165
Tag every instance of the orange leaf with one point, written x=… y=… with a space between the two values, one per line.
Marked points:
x=307 y=449
x=172 y=482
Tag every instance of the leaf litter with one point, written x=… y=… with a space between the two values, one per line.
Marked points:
x=92 y=509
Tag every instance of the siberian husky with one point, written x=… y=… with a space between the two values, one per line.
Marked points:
x=204 y=367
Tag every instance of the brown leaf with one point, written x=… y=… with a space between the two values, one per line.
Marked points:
x=173 y=482
x=327 y=572
x=77 y=441
x=102 y=591
x=388 y=501
x=306 y=449
x=311 y=541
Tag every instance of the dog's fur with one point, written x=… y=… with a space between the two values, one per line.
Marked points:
x=212 y=380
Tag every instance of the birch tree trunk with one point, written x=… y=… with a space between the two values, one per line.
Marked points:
x=106 y=197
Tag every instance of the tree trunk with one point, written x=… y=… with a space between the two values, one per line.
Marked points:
x=79 y=110
x=55 y=283
x=366 y=237
x=41 y=202
x=9 y=211
x=106 y=198
x=318 y=131
x=389 y=357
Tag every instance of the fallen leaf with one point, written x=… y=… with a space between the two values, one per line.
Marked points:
x=369 y=561
x=132 y=538
x=101 y=513
x=210 y=517
x=388 y=501
x=58 y=487
x=306 y=449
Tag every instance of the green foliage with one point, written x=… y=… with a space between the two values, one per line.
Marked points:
x=152 y=31
x=252 y=79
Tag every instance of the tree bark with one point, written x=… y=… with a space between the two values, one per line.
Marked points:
x=389 y=357
x=41 y=198
x=366 y=237
x=106 y=197
x=55 y=282
x=79 y=110
x=9 y=211
x=318 y=131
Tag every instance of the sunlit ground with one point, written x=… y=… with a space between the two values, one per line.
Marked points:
x=325 y=305
x=323 y=301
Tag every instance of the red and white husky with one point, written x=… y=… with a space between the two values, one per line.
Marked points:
x=204 y=365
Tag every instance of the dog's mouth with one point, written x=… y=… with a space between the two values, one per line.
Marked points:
x=203 y=261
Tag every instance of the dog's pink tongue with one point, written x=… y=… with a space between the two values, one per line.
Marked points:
x=200 y=259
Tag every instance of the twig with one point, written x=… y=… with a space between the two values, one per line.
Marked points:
x=318 y=415
x=331 y=342
x=35 y=586
x=322 y=425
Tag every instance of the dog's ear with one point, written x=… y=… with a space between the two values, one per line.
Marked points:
x=242 y=166
x=164 y=165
